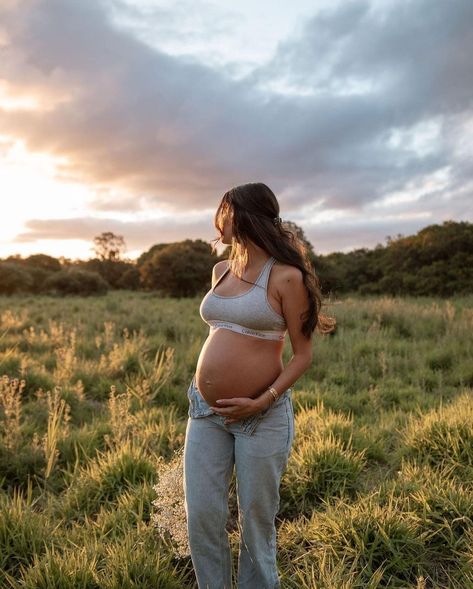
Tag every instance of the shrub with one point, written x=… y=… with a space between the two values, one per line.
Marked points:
x=318 y=469
x=14 y=278
x=443 y=437
x=104 y=479
x=23 y=533
x=57 y=569
x=371 y=542
x=178 y=269
x=74 y=281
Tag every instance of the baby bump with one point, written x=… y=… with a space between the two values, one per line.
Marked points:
x=235 y=365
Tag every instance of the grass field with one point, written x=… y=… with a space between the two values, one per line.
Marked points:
x=378 y=491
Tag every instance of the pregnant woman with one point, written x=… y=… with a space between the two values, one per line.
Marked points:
x=240 y=407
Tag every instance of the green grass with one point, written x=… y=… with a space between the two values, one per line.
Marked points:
x=379 y=485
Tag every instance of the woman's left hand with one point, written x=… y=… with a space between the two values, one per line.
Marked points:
x=236 y=408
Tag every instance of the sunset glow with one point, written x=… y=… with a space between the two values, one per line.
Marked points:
x=135 y=118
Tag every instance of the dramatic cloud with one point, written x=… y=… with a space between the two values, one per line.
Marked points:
x=390 y=89
x=139 y=234
x=361 y=121
x=171 y=130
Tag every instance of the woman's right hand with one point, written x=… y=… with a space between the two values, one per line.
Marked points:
x=238 y=408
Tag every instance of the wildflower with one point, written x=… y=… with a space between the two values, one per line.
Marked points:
x=170 y=517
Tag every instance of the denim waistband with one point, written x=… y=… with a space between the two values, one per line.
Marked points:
x=198 y=407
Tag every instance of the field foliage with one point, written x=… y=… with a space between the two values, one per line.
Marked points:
x=378 y=492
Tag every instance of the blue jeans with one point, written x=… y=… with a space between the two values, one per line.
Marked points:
x=258 y=447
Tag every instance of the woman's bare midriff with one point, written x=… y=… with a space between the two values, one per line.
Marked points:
x=232 y=364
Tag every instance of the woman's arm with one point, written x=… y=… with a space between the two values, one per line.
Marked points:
x=294 y=301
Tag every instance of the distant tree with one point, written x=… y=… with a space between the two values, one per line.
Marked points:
x=75 y=281
x=299 y=232
x=327 y=274
x=322 y=269
x=14 y=278
x=14 y=258
x=109 y=246
x=179 y=269
x=110 y=271
x=152 y=250
x=130 y=278
x=44 y=262
x=437 y=261
x=41 y=267
x=65 y=262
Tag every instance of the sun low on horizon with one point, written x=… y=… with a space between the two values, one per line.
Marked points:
x=136 y=116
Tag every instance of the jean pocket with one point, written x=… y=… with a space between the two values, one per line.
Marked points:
x=249 y=424
x=198 y=407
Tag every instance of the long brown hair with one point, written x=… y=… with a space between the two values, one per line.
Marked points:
x=254 y=211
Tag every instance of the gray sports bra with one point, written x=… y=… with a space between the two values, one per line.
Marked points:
x=249 y=313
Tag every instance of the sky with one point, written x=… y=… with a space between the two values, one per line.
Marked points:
x=136 y=116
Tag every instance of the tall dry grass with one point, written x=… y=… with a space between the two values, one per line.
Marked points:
x=11 y=390
x=93 y=410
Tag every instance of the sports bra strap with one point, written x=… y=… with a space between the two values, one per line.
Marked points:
x=262 y=279
x=219 y=279
x=264 y=276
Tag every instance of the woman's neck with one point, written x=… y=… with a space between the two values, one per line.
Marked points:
x=256 y=256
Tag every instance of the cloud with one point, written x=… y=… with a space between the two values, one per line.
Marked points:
x=170 y=130
x=138 y=235
x=368 y=72
x=337 y=115
x=410 y=54
x=176 y=25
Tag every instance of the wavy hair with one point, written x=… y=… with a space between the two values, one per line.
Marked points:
x=254 y=211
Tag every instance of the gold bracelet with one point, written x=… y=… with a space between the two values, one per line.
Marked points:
x=274 y=394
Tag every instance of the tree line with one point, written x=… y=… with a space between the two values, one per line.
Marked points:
x=437 y=261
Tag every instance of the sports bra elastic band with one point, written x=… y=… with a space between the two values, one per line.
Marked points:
x=272 y=334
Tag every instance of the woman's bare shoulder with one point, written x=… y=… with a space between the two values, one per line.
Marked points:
x=284 y=278
x=219 y=268
x=287 y=272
